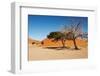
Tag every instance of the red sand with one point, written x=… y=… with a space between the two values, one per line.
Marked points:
x=69 y=43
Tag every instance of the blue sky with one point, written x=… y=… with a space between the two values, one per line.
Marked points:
x=39 y=26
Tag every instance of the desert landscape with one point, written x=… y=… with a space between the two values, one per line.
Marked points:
x=57 y=37
x=49 y=50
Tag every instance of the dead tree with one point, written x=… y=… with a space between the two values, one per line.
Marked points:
x=74 y=31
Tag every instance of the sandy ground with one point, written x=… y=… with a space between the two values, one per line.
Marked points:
x=42 y=53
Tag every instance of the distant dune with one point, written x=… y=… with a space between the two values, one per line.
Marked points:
x=51 y=43
x=33 y=42
x=69 y=43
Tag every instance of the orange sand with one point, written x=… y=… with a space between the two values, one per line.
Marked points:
x=69 y=43
x=39 y=51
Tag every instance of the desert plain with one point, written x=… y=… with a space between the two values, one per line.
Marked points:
x=49 y=50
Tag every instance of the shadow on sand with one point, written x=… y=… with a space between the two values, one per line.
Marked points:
x=60 y=48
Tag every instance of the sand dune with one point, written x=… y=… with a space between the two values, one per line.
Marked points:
x=69 y=43
x=33 y=42
x=30 y=40
x=38 y=51
x=51 y=43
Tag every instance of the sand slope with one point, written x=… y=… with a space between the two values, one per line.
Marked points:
x=38 y=51
x=69 y=43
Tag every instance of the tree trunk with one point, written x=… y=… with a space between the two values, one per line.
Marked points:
x=75 y=45
x=63 y=43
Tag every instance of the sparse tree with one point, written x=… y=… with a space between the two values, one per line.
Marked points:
x=58 y=36
x=70 y=32
x=74 y=31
